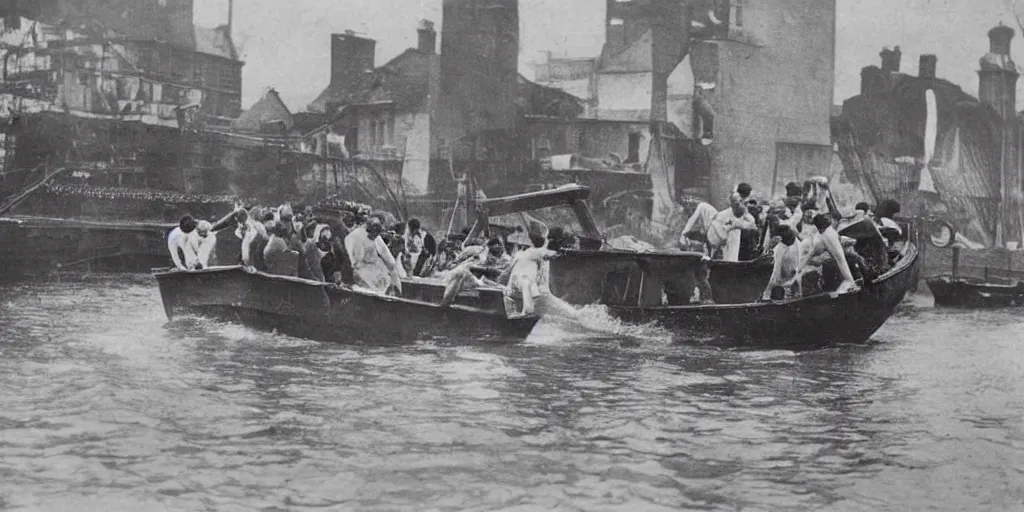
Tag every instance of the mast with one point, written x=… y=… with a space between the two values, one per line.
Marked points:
x=231 y=18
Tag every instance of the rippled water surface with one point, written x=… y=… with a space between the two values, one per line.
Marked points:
x=106 y=406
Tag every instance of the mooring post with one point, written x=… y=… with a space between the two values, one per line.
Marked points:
x=956 y=262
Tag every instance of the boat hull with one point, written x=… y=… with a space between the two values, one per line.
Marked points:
x=322 y=312
x=809 y=322
x=973 y=293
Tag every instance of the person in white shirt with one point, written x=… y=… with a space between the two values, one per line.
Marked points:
x=697 y=227
x=727 y=227
x=372 y=263
x=179 y=243
x=526 y=276
x=203 y=243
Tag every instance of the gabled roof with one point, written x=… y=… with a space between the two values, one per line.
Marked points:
x=541 y=100
x=269 y=109
x=636 y=57
x=215 y=41
x=403 y=81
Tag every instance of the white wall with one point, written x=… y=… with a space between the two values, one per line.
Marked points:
x=624 y=91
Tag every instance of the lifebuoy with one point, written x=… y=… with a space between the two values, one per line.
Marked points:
x=945 y=230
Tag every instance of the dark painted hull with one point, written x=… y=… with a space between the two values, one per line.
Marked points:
x=46 y=245
x=324 y=312
x=808 y=322
x=974 y=293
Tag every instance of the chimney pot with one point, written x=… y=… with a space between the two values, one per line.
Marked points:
x=427 y=37
x=999 y=39
x=891 y=59
x=926 y=67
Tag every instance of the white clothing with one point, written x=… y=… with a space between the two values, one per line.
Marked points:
x=891 y=224
x=252 y=229
x=700 y=221
x=528 y=271
x=373 y=266
x=176 y=240
x=726 y=229
x=204 y=247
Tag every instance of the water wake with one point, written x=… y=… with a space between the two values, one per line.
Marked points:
x=562 y=322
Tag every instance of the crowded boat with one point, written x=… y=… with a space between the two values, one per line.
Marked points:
x=799 y=234
x=359 y=250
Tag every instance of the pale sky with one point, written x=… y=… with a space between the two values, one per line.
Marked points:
x=286 y=43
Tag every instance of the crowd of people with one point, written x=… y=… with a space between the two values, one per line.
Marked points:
x=359 y=250
x=798 y=232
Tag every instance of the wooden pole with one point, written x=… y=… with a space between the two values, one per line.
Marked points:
x=956 y=262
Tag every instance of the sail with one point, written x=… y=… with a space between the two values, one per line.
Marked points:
x=926 y=184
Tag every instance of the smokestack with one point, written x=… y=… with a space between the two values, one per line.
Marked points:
x=479 y=89
x=891 y=59
x=231 y=17
x=427 y=37
x=926 y=66
x=997 y=78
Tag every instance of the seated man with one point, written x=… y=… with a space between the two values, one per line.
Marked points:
x=497 y=261
x=728 y=226
x=277 y=256
x=373 y=266
x=786 y=274
x=461 y=278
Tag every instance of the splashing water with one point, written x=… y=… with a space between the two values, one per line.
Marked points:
x=590 y=322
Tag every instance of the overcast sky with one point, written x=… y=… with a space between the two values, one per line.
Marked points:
x=286 y=43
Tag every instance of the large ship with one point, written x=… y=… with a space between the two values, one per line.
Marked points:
x=117 y=121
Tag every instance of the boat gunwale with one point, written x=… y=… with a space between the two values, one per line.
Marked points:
x=328 y=287
x=902 y=266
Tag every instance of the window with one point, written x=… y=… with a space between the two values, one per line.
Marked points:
x=616 y=22
x=736 y=16
x=634 y=148
x=373 y=134
x=391 y=129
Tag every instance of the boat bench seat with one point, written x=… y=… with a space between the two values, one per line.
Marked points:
x=432 y=290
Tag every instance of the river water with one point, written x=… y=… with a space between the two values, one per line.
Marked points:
x=105 y=406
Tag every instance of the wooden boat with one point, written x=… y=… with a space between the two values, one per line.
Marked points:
x=956 y=291
x=969 y=292
x=326 y=312
x=806 y=322
x=656 y=286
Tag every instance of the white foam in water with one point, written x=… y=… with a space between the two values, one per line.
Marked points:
x=561 y=321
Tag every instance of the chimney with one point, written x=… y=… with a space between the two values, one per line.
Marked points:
x=871 y=80
x=891 y=59
x=999 y=39
x=997 y=78
x=351 y=56
x=926 y=66
x=427 y=37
